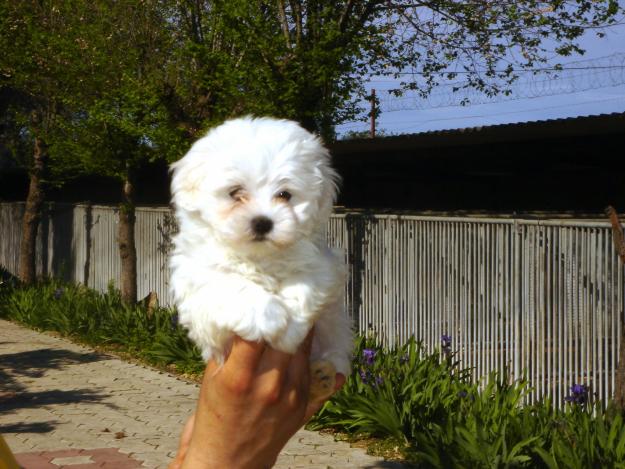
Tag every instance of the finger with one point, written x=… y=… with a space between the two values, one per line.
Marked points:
x=183 y=446
x=274 y=359
x=244 y=355
x=339 y=381
x=299 y=367
x=238 y=372
x=188 y=430
x=211 y=368
x=272 y=372
x=301 y=359
x=314 y=406
x=306 y=346
x=303 y=351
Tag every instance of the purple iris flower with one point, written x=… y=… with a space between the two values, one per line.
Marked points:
x=579 y=394
x=368 y=355
x=174 y=320
x=446 y=344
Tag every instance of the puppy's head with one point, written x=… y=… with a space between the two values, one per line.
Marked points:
x=258 y=183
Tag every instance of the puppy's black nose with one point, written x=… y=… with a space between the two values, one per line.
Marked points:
x=261 y=225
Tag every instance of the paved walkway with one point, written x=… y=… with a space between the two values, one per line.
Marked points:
x=65 y=406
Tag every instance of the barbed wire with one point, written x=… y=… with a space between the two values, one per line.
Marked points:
x=574 y=77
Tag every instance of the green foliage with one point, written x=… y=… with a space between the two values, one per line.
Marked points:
x=594 y=438
x=487 y=430
x=299 y=60
x=96 y=318
x=395 y=393
x=427 y=404
x=124 y=121
x=108 y=85
x=88 y=79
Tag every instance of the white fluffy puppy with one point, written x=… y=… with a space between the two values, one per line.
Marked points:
x=252 y=200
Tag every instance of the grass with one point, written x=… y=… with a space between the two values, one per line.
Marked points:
x=401 y=402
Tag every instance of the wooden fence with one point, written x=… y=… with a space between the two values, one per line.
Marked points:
x=540 y=297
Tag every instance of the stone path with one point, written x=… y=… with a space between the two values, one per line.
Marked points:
x=65 y=406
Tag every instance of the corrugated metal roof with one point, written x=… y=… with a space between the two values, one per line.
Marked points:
x=618 y=116
x=515 y=132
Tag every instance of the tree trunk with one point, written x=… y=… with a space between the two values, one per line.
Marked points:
x=619 y=393
x=32 y=215
x=127 y=248
x=619 y=243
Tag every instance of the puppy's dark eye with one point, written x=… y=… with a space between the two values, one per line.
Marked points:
x=236 y=193
x=284 y=195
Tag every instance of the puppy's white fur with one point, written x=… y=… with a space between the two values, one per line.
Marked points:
x=226 y=278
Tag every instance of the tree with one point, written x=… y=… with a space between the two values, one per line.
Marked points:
x=309 y=59
x=80 y=87
x=484 y=44
x=619 y=244
x=39 y=81
x=104 y=86
x=125 y=122
x=290 y=60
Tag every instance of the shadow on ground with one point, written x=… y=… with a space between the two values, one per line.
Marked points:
x=29 y=400
x=389 y=465
x=34 y=363
x=17 y=369
x=35 y=427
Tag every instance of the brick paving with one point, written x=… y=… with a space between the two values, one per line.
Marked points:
x=63 y=405
x=105 y=458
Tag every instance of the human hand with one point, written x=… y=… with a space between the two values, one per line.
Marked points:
x=249 y=408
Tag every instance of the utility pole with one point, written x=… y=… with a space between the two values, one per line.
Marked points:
x=372 y=130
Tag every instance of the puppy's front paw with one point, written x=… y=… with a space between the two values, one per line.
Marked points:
x=272 y=319
x=322 y=380
x=299 y=298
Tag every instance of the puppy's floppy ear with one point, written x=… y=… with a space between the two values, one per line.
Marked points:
x=187 y=176
x=330 y=185
x=331 y=181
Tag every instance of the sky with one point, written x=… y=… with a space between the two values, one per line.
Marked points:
x=592 y=102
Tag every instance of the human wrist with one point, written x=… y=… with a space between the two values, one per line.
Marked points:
x=211 y=458
x=198 y=458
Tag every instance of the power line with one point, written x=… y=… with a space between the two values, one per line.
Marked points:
x=602 y=72
x=514 y=70
x=583 y=75
x=414 y=123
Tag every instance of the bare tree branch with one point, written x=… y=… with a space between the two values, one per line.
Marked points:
x=284 y=23
x=345 y=15
x=296 y=8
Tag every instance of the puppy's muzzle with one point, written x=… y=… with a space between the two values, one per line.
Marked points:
x=260 y=227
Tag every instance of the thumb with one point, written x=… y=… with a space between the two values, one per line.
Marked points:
x=314 y=406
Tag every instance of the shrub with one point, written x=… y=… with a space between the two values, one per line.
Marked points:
x=102 y=318
x=428 y=405
x=395 y=393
